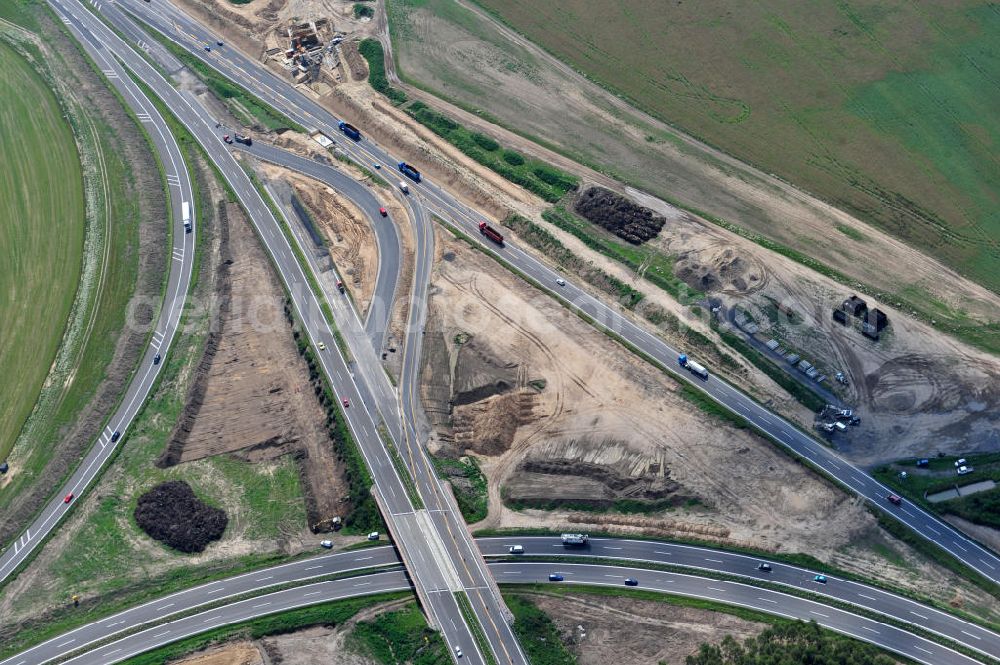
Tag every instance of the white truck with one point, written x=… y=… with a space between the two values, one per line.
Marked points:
x=186 y=216
x=695 y=368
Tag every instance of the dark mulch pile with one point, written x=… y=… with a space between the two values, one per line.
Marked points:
x=172 y=514
x=617 y=214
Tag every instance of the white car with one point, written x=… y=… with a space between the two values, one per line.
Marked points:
x=373 y=535
x=560 y=281
x=403 y=186
x=516 y=549
x=326 y=544
x=458 y=652
x=960 y=462
x=322 y=346
x=962 y=470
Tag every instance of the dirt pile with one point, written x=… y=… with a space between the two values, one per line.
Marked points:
x=172 y=514
x=355 y=63
x=487 y=427
x=474 y=398
x=619 y=215
x=568 y=482
x=719 y=269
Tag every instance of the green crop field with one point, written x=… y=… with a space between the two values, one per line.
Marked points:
x=41 y=233
x=887 y=109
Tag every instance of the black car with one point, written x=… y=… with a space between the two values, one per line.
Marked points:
x=156 y=359
x=766 y=567
x=117 y=435
x=631 y=581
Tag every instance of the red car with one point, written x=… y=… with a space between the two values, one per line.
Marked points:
x=894 y=500
x=227 y=138
x=383 y=212
x=69 y=497
x=345 y=402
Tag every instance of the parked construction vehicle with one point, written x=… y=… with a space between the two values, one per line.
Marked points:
x=491 y=233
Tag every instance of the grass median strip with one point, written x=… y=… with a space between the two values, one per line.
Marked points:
x=401 y=468
x=330 y=613
x=465 y=606
x=798 y=559
x=220 y=602
x=248 y=107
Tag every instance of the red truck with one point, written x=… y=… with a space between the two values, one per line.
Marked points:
x=491 y=233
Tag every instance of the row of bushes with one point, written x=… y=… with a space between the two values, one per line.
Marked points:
x=537 y=177
x=364 y=516
x=372 y=51
x=623 y=506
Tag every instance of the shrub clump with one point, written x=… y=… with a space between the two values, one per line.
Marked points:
x=371 y=50
x=173 y=515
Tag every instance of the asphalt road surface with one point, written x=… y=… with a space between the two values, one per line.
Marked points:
x=251 y=74
x=438 y=570
x=394 y=579
x=464 y=217
x=162 y=329
x=386 y=235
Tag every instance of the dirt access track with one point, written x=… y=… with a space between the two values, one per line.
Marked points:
x=510 y=374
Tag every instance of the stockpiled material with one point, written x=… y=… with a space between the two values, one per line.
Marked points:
x=619 y=215
x=172 y=514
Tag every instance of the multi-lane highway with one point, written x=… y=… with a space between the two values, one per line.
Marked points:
x=253 y=75
x=434 y=542
x=439 y=570
x=363 y=564
x=161 y=331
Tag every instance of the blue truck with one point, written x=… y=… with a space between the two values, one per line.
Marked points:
x=409 y=171
x=350 y=130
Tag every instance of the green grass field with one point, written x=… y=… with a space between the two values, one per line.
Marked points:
x=885 y=109
x=41 y=231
